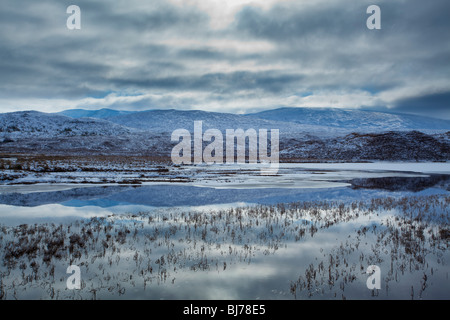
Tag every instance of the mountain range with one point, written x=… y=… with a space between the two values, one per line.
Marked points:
x=288 y=120
x=311 y=133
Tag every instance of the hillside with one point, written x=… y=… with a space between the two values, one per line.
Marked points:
x=403 y=146
x=99 y=114
x=34 y=124
x=350 y=136
x=170 y=120
x=353 y=120
x=313 y=121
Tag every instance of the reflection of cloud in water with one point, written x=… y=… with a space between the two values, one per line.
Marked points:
x=14 y=215
x=317 y=249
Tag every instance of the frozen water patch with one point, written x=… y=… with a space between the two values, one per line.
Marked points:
x=420 y=167
x=41 y=187
x=272 y=183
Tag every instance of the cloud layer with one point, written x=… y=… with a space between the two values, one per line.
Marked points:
x=236 y=56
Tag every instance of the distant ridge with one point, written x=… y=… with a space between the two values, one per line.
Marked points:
x=170 y=120
x=289 y=119
x=317 y=134
x=361 y=120
x=22 y=124
x=100 y=114
x=290 y=122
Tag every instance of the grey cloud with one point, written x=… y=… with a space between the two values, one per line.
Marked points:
x=201 y=53
x=413 y=19
x=336 y=33
x=437 y=104
x=288 y=23
x=119 y=17
x=162 y=48
x=271 y=81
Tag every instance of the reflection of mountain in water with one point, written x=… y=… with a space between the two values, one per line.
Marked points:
x=414 y=184
x=41 y=198
x=182 y=195
x=159 y=196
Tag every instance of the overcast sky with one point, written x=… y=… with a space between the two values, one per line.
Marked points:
x=231 y=56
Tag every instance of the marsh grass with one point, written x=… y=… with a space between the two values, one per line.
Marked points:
x=126 y=253
x=66 y=168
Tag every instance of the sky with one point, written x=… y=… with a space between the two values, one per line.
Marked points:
x=236 y=56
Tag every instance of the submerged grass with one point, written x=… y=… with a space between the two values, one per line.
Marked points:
x=131 y=252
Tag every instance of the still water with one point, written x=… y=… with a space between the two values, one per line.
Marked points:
x=178 y=241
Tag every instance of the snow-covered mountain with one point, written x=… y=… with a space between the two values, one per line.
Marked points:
x=353 y=120
x=314 y=121
x=26 y=124
x=290 y=121
x=170 y=120
x=314 y=134
x=99 y=114
x=392 y=145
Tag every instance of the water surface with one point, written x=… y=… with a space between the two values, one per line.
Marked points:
x=194 y=241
